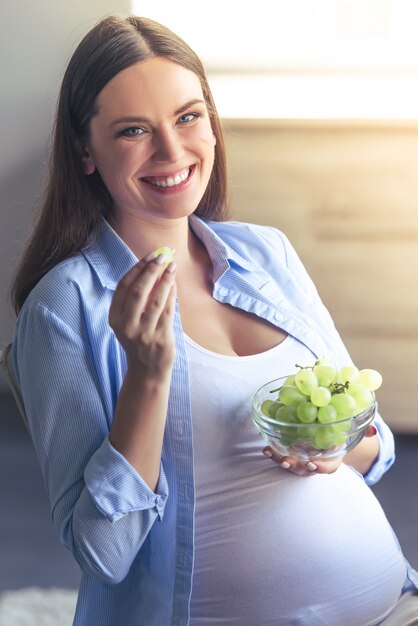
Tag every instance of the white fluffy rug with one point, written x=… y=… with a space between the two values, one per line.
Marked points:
x=37 y=607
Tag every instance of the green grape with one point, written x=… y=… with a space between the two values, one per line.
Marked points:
x=306 y=381
x=287 y=414
x=348 y=373
x=265 y=407
x=344 y=404
x=290 y=380
x=343 y=426
x=288 y=436
x=362 y=396
x=323 y=362
x=340 y=436
x=291 y=396
x=306 y=433
x=167 y=252
x=320 y=396
x=326 y=372
x=274 y=407
x=324 y=437
x=327 y=414
x=307 y=412
x=370 y=379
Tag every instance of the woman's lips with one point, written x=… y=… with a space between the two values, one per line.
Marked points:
x=172 y=182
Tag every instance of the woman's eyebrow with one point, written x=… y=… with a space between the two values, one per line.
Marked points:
x=187 y=105
x=132 y=119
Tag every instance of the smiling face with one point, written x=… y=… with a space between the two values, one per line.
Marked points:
x=152 y=141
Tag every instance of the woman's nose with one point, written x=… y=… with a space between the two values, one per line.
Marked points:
x=168 y=147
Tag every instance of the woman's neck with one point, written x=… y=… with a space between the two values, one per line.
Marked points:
x=142 y=237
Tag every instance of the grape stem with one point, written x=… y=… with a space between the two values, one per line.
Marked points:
x=304 y=367
x=339 y=387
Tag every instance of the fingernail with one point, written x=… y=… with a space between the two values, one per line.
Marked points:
x=150 y=257
x=171 y=268
x=311 y=466
x=285 y=465
x=161 y=259
x=373 y=431
x=267 y=453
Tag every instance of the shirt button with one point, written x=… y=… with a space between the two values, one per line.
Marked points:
x=278 y=316
x=223 y=291
x=180 y=427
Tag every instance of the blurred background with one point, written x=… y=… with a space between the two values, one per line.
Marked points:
x=320 y=108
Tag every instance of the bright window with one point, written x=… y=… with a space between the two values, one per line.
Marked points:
x=302 y=58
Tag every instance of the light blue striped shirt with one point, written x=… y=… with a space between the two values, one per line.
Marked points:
x=134 y=546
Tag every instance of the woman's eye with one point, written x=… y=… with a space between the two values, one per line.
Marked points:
x=188 y=117
x=133 y=131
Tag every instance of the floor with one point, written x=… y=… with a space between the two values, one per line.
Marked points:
x=30 y=554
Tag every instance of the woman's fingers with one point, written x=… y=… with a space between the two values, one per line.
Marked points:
x=122 y=290
x=158 y=300
x=166 y=318
x=371 y=431
x=132 y=292
x=303 y=468
x=141 y=315
x=291 y=464
x=141 y=286
x=164 y=327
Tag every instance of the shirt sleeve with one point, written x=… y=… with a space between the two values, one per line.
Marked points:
x=117 y=489
x=102 y=508
x=386 y=456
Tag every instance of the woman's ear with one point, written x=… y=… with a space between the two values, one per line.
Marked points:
x=87 y=160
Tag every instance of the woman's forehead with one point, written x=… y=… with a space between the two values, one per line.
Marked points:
x=147 y=86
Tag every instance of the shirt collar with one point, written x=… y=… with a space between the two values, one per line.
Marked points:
x=111 y=258
x=220 y=253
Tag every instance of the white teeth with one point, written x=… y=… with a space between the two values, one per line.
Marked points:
x=170 y=181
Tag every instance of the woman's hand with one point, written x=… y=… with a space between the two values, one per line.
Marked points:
x=303 y=468
x=141 y=316
x=314 y=466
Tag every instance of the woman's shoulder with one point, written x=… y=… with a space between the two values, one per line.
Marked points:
x=62 y=287
x=237 y=228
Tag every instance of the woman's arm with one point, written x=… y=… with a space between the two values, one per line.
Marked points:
x=102 y=507
x=141 y=316
x=364 y=455
x=374 y=455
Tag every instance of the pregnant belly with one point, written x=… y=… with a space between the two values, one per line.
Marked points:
x=277 y=549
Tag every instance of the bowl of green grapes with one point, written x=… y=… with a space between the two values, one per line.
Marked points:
x=319 y=412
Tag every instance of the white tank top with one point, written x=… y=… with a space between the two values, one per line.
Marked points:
x=273 y=548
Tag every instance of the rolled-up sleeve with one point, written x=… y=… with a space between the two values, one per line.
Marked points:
x=386 y=456
x=116 y=487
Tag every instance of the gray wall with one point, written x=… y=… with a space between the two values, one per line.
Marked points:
x=36 y=40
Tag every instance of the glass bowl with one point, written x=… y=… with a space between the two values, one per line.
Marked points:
x=308 y=441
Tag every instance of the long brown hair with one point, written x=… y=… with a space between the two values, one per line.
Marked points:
x=74 y=202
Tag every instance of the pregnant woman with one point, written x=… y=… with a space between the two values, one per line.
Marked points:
x=137 y=376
